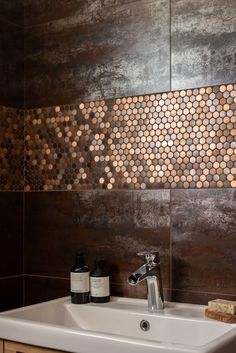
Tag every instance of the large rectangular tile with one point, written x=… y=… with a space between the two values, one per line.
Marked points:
x=41 y=289
x=11 y=65
x=197 y=297
x=203 y=43
x=203 y=228
x=11 y=293
x=110 y=224
x=38 y=12
x=13 y=11
x=98 y=52
x=11 y=149
x=11 y=230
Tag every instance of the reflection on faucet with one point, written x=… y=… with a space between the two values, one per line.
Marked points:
x=152 y=273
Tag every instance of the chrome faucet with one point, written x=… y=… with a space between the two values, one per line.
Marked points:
x=152 y=273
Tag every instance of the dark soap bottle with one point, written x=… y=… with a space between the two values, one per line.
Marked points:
x=100 y=283
x=79 y=281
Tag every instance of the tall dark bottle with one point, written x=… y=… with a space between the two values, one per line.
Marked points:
x=100 y=283
x=79 y=281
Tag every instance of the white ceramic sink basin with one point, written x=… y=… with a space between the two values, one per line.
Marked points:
x=115 y=327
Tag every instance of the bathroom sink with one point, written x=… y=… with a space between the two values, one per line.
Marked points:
x=123 y=324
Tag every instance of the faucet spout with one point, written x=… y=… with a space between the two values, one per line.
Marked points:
x=138 y=276
x=151 y=272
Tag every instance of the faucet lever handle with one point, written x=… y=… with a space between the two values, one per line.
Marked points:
x=150 y=255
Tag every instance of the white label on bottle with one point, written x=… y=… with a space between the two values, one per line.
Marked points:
x=100 y=286
x=79 y=282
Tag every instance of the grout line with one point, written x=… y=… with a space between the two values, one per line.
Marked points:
x=171 y=261
x=199 y=292
x=5 y=20
x=112 y=190
x=170 y=51
x=43 y=276
x=9 y=277
x=47 y=22
x=79 y=100
x=23 y=247
x=171 y=241
x=23 y=226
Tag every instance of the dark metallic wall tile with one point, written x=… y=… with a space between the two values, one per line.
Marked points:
x=203 y=228
x=197 y=297
x=113 y=51
x=11 y=149
x=11 y=293
x=140 y=291
x=11 y=65
x=11 y=230
x=46 y=11
x=40 y=289
x=203 y=43
x=59 y=224
x=12 y=11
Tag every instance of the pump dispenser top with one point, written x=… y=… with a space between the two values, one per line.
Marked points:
x=79 y=276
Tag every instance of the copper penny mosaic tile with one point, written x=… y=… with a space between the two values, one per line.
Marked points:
x=11 y=149
x=178 y=139
x=181 y=139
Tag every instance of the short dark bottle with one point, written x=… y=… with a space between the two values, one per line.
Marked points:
x=100 y=283
x=79 y=281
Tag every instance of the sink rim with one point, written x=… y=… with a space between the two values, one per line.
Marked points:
x=13 y=325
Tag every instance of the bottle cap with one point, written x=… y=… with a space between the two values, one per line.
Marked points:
x=100 y=263
x=79 y=259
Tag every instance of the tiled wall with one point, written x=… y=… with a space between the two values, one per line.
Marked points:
x=174 y=140
x=11 y=250
x=194 y=231
x=12 y=54
x=103 y=161
x=11 y=154
x=11 y=149
x=91 y=50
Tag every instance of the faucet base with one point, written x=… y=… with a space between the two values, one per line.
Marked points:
x=155 y=301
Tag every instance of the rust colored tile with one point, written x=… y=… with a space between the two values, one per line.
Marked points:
x=11 y=229
x=203 y=240
x=192 y=297
x=11 y=294
x=12 y=57
x=115 y=225
x=52 y=22
x=41 y=289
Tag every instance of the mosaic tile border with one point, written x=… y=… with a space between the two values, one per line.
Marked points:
x=11 y=149
x=178 y=139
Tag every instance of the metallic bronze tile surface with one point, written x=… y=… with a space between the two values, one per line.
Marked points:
x=11 y=230
x=203 y=228
x=194 y=230
x=187 y=140
x=95 y=49
x=11 y=149
x=13 y=12
x=40 y=289
x=197 y=297
x=11 y=64
x=111 y=224
x=203 y=45
x=11 y=293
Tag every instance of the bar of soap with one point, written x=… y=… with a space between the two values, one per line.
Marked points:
x=228 y=318
x=222 y=306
